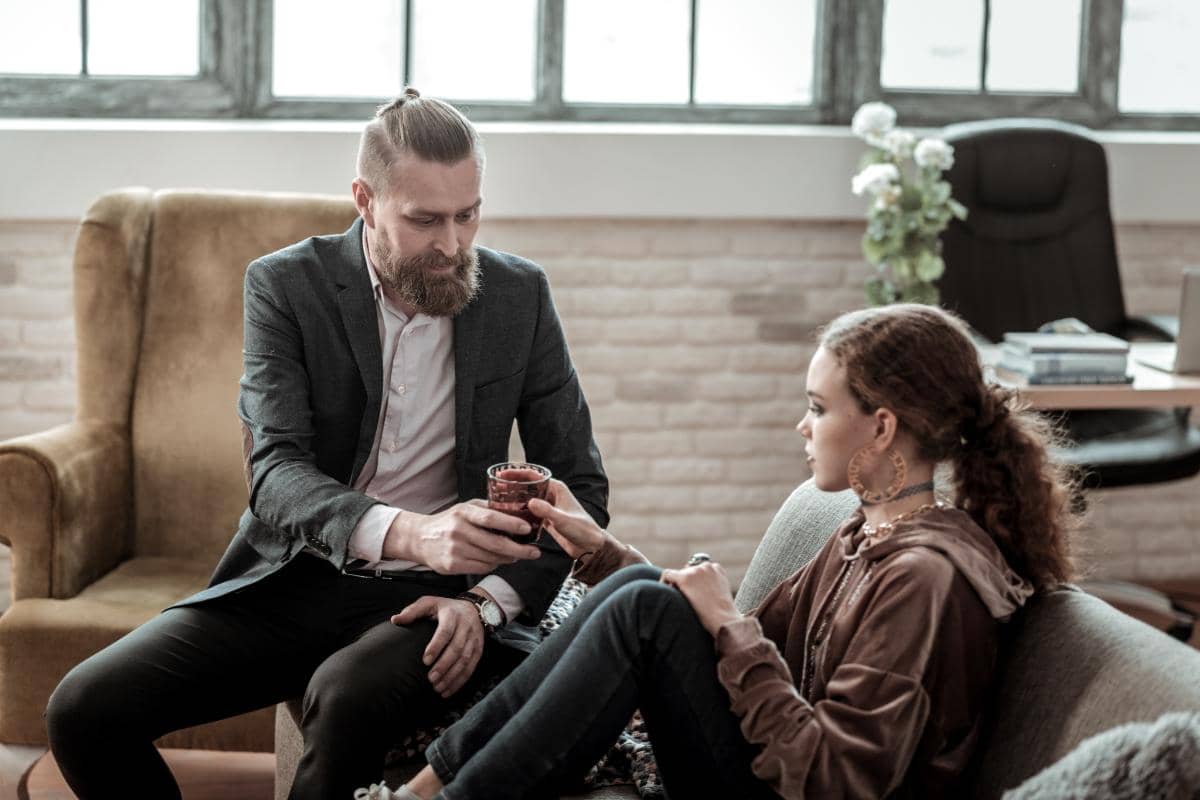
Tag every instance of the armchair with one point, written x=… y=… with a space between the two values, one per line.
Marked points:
x=127 y=509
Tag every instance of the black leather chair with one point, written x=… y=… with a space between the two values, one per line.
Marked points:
x=1037 y=245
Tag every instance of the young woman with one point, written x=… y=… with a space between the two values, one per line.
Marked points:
x=865 y=674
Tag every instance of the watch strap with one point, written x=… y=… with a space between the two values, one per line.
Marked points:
x=479 y=600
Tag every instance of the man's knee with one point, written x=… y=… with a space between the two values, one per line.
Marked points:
x=81 y=704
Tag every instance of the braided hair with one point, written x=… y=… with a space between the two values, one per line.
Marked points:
x=919 y=362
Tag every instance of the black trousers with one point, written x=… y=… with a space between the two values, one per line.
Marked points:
x=632 y=643
x=306 y=629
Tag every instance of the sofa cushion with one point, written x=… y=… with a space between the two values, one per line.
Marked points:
x=44 y=638
x=800 y=528
x=1076 y=667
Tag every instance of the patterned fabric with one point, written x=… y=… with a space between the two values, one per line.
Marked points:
x=629 y=761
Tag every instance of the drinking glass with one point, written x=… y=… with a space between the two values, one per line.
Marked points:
x=510 y=486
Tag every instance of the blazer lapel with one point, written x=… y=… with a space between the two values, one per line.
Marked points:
x=356 y=300
x=468 y=328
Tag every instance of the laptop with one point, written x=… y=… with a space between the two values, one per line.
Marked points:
x=1184 y=355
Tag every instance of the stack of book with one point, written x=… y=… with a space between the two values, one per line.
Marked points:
x=1064 y=358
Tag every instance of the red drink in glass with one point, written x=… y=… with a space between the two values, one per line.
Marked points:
x=511 y=485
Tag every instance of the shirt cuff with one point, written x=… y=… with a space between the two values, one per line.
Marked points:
x=366 y=541
x=504 y=594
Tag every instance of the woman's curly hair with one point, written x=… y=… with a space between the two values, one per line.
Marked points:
x=919 y=362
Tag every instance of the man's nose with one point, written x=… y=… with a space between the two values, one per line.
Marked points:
x=446 y=243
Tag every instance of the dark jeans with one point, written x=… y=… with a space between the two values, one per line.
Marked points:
x=633 y=643
x=306 y=629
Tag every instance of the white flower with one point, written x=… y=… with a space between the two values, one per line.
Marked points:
x=934 y=153
x=888 y=197
x=899 y=142
x=874 y=179
x=872 y=121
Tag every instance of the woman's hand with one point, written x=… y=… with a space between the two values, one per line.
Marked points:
x=706 y=587
x=574 y=530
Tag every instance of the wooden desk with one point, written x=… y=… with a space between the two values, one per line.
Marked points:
x=1150 y=388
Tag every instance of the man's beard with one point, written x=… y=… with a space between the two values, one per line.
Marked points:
x=411 y=282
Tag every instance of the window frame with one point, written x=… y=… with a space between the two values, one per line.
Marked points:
x=235 y=81
x=218 y=91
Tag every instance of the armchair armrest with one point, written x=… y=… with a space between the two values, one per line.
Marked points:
x=67 y=495
x=1158 y=327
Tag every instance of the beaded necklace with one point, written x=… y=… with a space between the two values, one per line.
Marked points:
x=885 y=529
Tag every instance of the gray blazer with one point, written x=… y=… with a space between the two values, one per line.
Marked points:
x=311 y=396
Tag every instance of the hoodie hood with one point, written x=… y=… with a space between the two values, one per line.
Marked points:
x=951 y=532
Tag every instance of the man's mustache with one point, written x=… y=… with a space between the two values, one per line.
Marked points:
x=436 y=261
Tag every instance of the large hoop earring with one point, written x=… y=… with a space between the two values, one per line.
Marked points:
x=868 y=496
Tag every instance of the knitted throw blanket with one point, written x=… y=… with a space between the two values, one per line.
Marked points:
x=1157 y=760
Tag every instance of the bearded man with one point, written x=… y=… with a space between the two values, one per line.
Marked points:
x=384 y=368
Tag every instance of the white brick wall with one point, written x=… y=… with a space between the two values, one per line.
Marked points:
x=691 y=340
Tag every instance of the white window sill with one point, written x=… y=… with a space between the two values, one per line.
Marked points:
x=53 y=169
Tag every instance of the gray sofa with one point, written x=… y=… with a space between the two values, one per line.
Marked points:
x=1075 y=666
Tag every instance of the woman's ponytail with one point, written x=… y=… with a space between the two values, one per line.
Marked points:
x=1009 y=484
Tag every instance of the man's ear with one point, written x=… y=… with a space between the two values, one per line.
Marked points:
x=364 y=201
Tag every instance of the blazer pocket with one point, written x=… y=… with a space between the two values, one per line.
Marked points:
x=493 y=411
x=501 y=383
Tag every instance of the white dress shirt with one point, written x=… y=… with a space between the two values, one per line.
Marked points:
x=411 y=463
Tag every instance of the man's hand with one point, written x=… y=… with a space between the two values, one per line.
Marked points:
x=458 y=541
x=457 y=645
x=706 y=587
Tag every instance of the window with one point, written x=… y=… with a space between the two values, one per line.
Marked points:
x=1159 y=68
x=1104 y=64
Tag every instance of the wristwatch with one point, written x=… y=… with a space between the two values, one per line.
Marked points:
x=490 y=613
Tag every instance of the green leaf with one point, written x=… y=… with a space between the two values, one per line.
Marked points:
x=930 y=266
x=957 y=208
x=874 y=250
x=880 y=292
x=920 y=292
x=910 y=197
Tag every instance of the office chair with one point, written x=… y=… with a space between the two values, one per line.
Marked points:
x=1037 y=245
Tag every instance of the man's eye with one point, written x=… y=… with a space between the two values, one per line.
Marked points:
x=426 y=221
x=466 y=216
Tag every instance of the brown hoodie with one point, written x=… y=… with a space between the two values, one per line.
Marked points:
x=866 y=673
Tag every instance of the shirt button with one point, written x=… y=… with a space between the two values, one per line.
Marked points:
x=401 y=388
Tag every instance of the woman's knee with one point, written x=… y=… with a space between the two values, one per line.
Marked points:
x=625 y=576
x=653 y=602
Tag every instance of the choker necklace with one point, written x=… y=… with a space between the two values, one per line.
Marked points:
x=916 y=488
x=884 y=529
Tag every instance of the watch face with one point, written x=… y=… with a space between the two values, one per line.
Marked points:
x=490 y=613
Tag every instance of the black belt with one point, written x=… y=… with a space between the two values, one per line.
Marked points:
x=413 y=576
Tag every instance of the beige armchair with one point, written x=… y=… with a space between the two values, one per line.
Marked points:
x=127 y=509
